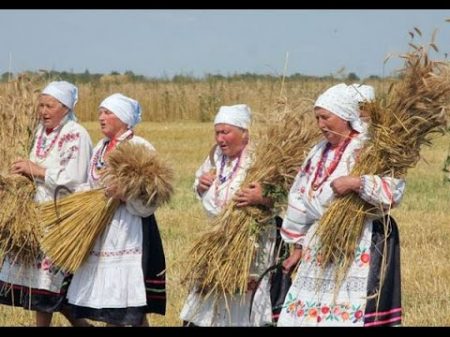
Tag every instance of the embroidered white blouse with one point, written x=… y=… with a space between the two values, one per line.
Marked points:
x=65 y=153
x=231 y=310
x=310 y=298
x=218 y=195
x=112 y=276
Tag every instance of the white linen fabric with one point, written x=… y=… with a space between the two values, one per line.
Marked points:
x=232 y=310
x=309 y=301
x=112 y=275
x=65 y=153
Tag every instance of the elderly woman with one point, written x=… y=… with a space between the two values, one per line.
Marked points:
x=60 y=156
x=313 y=299
x=123 y=277
x=215 y=187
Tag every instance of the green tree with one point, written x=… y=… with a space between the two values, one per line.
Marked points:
x=352 y=77
x=6 y=76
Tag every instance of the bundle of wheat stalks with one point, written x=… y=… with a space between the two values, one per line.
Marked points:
x=446 y=168
x=139 y=174
x=219 y=262
x=73 y=223
x=19 y=226
x=402 y=122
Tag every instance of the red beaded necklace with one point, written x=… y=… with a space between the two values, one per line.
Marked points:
x=42 y=150
x=322 y=171
x=98 y=162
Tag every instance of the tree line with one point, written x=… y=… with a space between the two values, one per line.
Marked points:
x=130 y=76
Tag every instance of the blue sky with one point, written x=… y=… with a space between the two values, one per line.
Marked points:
x=195 y=42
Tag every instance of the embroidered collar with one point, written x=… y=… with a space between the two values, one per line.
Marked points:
x=98 y=162
x=43 y=145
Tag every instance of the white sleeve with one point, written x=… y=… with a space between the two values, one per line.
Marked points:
x=297 y=220
x=72 y=168
x=205 y=167
x=384 y=192
x=83 y=187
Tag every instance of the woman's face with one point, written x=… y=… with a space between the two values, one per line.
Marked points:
x=231 y=139
x=110 y=125
x=334 y=128
x=51 y=111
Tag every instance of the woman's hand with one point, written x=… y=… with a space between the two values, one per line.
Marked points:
x=27 y=168
x=205 y=182
x=293 y=259
x=251 y=195
x=346 y=184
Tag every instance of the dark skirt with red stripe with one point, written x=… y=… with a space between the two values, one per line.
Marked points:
x=280 y=282
x=154 y=266
x=384 y=309
x=34 y=299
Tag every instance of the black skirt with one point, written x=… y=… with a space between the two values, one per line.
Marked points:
x=34 y=299
x=154 y=266
x=385 y=308
x=280 y=282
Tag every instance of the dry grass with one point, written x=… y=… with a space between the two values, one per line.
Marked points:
x=402 y=122
x=19 y=230
x=139 y=173
x=199 y=100
x=72 y=224
x=422 y=217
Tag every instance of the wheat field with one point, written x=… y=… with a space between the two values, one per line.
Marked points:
x=182 y=132
x=423 y=219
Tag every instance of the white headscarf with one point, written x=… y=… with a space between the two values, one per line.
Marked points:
x=362 y=93
x=238 y=115
x=128 y=110
x=340 y=102
x=64 y=92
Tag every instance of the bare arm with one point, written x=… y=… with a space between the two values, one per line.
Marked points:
x=27 y=168
x=293 y=259
x=346 y=184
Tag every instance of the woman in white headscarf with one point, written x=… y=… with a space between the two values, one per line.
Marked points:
x=362 y=94
x=123 y=277
x=323 y=177
x=60 y=156
x=217 y=182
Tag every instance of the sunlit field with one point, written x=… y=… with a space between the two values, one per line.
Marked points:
x=423 y=220
x=182 y=132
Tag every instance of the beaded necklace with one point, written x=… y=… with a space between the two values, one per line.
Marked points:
x=98 y=162
x=322 y=171
x=224 y=178
x=42 y=150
